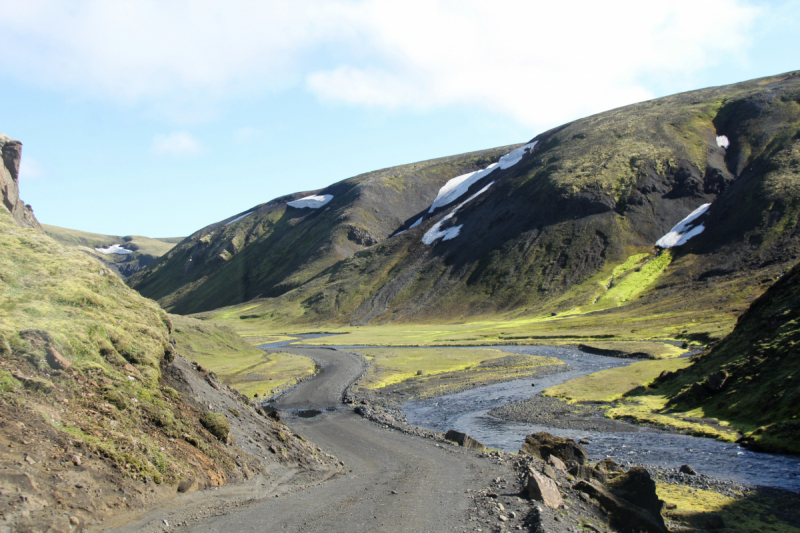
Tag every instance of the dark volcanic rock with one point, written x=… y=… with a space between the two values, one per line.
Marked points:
x=638 y=488
x=625 y=516
x=464 y=440
x=543 y=445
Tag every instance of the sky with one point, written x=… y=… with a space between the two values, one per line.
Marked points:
x=159 y=117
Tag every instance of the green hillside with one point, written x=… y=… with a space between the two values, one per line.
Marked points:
x=274 y=248
x=562 y=243
x=145 y=250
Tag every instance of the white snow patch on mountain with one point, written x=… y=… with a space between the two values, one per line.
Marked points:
x=683 y=230
x=450 y=233
x=723 y=142
x=313 y=202
x=456 y=187
x=114 y=249
x=237 y=219
x=417 y=223
x=514 y=156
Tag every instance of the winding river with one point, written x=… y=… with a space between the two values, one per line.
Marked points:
x=467 y=412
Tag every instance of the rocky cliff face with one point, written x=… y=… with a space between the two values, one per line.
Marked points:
x=9 y=184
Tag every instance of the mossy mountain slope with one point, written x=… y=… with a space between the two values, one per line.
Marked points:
x=572 y=226
x=750 y=377
x=144 y=249
x=273 y=248
x=98 y=414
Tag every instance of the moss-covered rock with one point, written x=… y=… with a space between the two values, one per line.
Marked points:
x=217 y=425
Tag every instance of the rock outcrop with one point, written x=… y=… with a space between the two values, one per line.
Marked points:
x=543 y=445
x=9 y=184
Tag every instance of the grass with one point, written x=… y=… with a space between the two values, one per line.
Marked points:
x=390 y=366
x=612 y=384
x=77 y=238
x=740 y=515
x=627 y=389
x=235 y=361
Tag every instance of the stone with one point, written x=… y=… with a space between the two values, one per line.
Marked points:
x=187 y=485
x=22 y=214
x=543 y=445
x=639 y=489
x=76 y=460
x=543 y=489
x=74 y=520
x=503 y=518
x=606 y=469
x=462 y=439
x=557 y=463
x=550 y=472
x=686 y=469
x=56 y=360
x=130 y=368
x=623 y=514
x=581 y=471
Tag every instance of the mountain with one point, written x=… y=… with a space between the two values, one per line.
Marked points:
x=570 y=229
x=123 y=255
x=100 y=416
x=275 y=247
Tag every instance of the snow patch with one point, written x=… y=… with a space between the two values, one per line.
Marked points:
x=450 y=233
x=417 y=223
x=237 y=219
x=456 y=187
x=722 y=141
x=683 y=230
x=312 y=202
x=514 y=156
x=114 y=249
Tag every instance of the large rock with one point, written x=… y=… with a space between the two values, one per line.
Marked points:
x=9 y=184
x=637 y=487
x=543 y=445
x=217 y=425
x=624 y=516
x=543 y=489
x=56 y=360
x=606 y=469
x=462 y=439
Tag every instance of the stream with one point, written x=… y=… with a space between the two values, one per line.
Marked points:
x=467 y=412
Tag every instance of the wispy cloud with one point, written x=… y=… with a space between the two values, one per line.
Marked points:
x=176 y=143
x=538 y=62
x=243 y=135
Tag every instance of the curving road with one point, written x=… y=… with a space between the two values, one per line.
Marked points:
x=393 y=482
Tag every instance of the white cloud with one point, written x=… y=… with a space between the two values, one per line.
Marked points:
x=176 y=143
x=30 y=169
x=243 y=135
x=538 y=62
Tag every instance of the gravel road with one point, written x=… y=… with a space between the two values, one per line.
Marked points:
x=392 y=481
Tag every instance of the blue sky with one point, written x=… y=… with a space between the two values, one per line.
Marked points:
x=160 y=117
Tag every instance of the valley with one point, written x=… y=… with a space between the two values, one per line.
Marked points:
x=626 y=283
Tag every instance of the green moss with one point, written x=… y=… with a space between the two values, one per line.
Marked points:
x=217 y=425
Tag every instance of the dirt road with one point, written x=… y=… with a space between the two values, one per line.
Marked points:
x=393 y=482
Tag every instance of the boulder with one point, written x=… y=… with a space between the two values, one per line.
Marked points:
x=606 y=469
x=581 y=471
x=543 y=489
x=543 y=445
x=557 y=463
x=624 y=516
x=686 y=469
x=638 y=488
x=462 y=439
x=550 y=472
